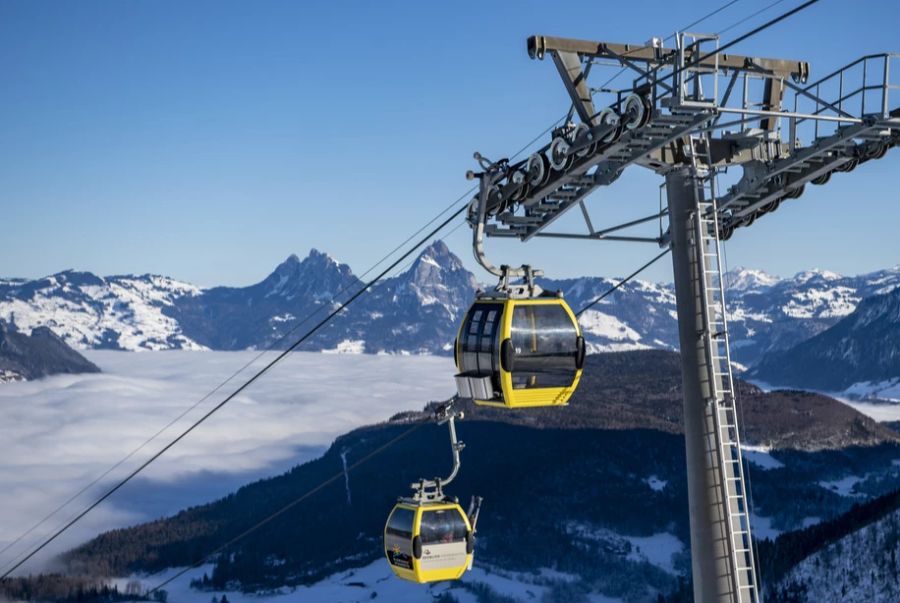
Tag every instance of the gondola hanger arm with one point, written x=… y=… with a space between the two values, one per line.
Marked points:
x=428 y=490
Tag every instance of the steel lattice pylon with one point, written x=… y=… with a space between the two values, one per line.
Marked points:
x=672 y=120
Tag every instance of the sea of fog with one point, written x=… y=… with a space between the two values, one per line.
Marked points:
x=60 y=433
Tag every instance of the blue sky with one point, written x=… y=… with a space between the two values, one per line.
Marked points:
x=209 y=140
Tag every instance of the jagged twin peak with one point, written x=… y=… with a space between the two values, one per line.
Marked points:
x=151 y=312
x=318 y=276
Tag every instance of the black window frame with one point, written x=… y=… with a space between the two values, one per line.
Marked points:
x=480 y=339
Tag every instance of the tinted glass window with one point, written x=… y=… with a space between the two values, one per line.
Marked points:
x=545 y=347
x=445 y=526
x=479 y=339
x=401 y=523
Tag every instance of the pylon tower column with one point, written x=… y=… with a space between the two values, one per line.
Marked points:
x=711 y=563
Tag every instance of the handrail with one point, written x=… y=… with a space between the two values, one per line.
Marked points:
x=868 y=57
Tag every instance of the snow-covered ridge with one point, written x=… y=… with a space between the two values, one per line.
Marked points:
x=86 y=311
x=743 y=279
x=415 y=312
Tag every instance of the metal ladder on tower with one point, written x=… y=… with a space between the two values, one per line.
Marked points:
x=720 y=378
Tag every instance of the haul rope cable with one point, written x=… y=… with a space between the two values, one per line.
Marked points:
x=748 y=17
x=615 y=287
x=267 y=349
x=250 y=362
x=420 y=423
x=76 y=518
x=737 y=40
x=347 y=303
x=237 y=391
x=253 y=360
x=591 y=304
x=304 y=496
x=752 y=33
x=337 y=476
x=670 y=36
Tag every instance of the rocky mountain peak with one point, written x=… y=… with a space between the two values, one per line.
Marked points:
x=317 y=275
x=438 y=276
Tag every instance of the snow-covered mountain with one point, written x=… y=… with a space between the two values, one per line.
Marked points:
x=88 y=311
x=414 y=312
x=766 y=313
x=237 y=318
x=864 y=347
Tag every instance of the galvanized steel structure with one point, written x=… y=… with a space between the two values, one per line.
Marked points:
x=690 y=114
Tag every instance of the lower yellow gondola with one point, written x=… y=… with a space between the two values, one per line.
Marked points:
x=428 y=541
x=519 y=353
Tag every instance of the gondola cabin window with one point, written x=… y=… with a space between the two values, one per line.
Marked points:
x=442 y=527
x=398 y=535
x=480 y=339
x=545 y=348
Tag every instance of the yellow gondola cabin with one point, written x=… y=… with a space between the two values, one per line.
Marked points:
x=519 y=353
x=428 y=541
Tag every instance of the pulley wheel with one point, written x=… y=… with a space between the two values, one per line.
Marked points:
x=520 y=179
x=560 y=158
x=472 y=211
x=538 y=168
x=795 y=193
x=608 y=117
x=725 y=233
x=876 y=151
x=848 y=166
x=583 y=135
x=495 y=203
x=771 y=206
x=823 y=179
x=634 y=113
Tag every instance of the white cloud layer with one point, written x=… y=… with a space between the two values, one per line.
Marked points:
x=60 y=433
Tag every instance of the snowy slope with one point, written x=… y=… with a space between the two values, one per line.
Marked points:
x=87 y=311
x=862 y=567
x=371 y=582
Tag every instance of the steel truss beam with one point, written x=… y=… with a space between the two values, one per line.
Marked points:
x=539 y=46
x=767 y=143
